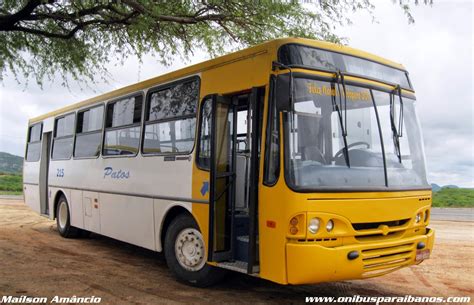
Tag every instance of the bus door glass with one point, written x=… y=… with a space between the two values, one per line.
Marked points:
x=222 y=186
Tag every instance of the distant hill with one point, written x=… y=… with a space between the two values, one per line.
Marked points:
x=10 y=163
x=450 y=186
x=436 y=187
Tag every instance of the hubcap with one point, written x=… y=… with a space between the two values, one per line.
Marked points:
x=62 y=214
x=189 y=249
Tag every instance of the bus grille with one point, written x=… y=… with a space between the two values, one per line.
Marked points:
x=387 y=258
x=375 y=225
x=371 y=231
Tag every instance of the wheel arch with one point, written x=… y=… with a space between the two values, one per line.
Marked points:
x=58 y=195
x=171 y=213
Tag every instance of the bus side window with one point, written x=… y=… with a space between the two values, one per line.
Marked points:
x=63 y=137
x=170 y=119
x=272 y=143
x=204 y=149
x=34 y=143
x=89 y=132
x=122 y=126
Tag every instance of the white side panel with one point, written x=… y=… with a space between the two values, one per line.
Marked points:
x=149 y=176
x=31 y=172
x=161 y=208
x=31 y=194
x=76 y=210
x=31 y=185
x=91 y=210
x=128 y=219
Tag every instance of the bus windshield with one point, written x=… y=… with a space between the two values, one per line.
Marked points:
x=323 y=124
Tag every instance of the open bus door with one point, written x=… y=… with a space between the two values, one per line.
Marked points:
x=222 y=176
x=44 y=173
x=233 y=233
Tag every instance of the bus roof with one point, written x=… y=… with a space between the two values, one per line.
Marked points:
x=216 y=62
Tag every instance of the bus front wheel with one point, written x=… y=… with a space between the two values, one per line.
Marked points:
x=185 y=254
x=63 y=220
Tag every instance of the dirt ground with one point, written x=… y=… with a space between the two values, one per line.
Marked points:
x=36 y=261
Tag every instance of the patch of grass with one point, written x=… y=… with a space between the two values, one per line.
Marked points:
x=11 y=183
x=10 y=193
x=454 y=198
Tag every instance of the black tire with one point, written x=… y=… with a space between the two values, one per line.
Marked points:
x=66 y=231
x=204 y=277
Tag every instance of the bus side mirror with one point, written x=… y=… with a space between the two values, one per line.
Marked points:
x=283 y=91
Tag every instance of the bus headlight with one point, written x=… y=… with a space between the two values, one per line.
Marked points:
x=418 y=218
x=313 y=225
x=330 y=225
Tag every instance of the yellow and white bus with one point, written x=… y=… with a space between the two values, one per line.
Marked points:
x=297 y=161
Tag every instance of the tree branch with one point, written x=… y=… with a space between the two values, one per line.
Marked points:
x=7 y=21
x=73 y=31
x=177 y=19
x=80 y=36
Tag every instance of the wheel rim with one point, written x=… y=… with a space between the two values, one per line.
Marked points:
x=189 y=249
x=62 y=215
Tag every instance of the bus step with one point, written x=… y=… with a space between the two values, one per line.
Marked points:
x=238 y=266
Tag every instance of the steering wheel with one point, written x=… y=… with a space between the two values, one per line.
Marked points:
x=341 y=151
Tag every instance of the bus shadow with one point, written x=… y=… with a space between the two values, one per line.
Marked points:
x=245 y=288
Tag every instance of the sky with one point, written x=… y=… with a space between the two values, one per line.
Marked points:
x=437 y=50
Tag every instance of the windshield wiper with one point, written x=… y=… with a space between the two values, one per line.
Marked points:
x=396 y=133
x=384 y=158
x=339 y=78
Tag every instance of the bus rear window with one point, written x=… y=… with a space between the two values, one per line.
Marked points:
x=33 y=147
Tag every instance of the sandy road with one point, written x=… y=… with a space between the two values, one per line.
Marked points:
x=36 y=261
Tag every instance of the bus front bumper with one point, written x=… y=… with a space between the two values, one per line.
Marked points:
x=311 y=263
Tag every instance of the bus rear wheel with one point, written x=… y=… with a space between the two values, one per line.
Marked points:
x=63 y=220
x=185 y=254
